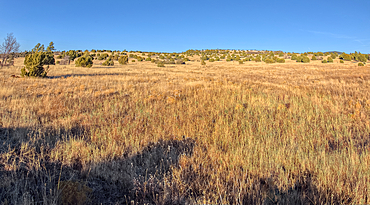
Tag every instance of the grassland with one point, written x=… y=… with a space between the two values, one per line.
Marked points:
x=224 y=133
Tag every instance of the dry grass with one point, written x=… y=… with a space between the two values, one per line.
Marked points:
x=222 y=133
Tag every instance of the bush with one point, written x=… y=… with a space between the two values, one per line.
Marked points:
x=148 y=59
x=313 y=58
x=360 y=64
x=268 y=60
x=345 y=56
x=303 y=59
x=280 y=60
x=72 y=55
x=58 y=62
x=108 y=62
x=324 y=61
x=34 y=63
x=341 y=61
x=330 y=60
x=294 y=57
x=133 y=61
x=103 y=56
x=361 y=58
x=160 y=64
x=241 y=62
x=203 y=62
x=211 y=60
x=258 y=59
x=84 y=61
x=333 y=55
x=123 y=60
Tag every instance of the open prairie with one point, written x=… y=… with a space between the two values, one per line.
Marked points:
x=222 y=133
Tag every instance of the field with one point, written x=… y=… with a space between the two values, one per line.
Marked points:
x=220 y=133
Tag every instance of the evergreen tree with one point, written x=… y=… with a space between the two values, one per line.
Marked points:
x=84 y=61
x=123 y=60
x=34 y=62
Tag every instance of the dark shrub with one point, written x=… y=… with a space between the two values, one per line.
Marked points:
x=123 y=60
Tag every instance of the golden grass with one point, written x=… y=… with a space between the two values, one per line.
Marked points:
x=263 y=133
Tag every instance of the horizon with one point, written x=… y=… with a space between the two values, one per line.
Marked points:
x=161 y=26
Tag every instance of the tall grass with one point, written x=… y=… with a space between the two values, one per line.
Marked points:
x=231 y=135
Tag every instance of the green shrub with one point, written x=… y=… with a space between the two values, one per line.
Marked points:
x=153 y=60
x=72 y=55
x=345 y=56
x=341 y=61
x=133 y=61
x=84 y=61
x=148 y=59
x=211 y=60
x=330 y=60
x=333 y=55
x=313 y=58
x=160 y=64
x=303 y=59
x=361 y=58
x=258 y=59
x=294 y=57
x=360 y=64
x=103 y=56
x=203 y=62
x=58 y=62
x=324 y=61
x=108 y=62
x=34 y=62
x=268 y=60
x=241 y=61
x=123 y=60
x=280 y=60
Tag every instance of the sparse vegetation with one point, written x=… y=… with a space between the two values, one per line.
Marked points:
x=218 y=134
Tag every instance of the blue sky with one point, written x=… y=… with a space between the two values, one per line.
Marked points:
x=176 y=26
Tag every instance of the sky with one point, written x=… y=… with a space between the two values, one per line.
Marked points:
x=176 y=26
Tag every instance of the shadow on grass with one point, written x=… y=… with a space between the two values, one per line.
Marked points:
x=91 y=75
x=143 y=178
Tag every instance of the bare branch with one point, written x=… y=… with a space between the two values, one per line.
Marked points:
x=10 y=45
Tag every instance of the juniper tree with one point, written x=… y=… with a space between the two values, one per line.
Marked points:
x=34 y=62
x=84 y=61
x=123 y=60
